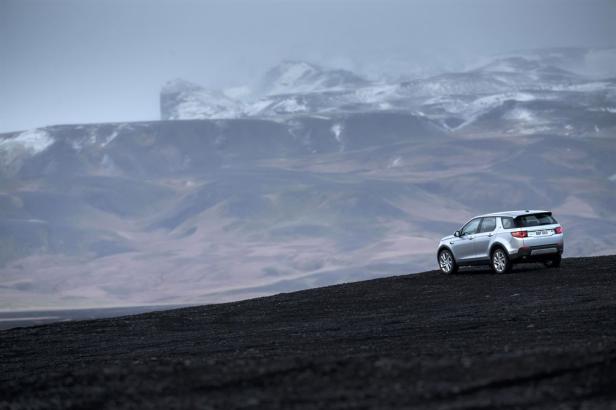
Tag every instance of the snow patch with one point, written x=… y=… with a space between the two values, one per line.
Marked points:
x=471 y=110
x=300 y=77
x=585 y=87
x=116 y=132
x=108 y=163
x=396 y=162
x=13 y=151
x=611 y=110
x=258 y=107
x=87 y=140
x=110 y=138
x=183 y=100
x=520 y=114
x=376 y=93
x=498 y=99
x=337 y=131
x=206 y=105
x=31 y=141
x=288 y=106
x=292 y=105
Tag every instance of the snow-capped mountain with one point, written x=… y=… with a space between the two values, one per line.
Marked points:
x=300 y=77
x=289 y=88
x=591 y=62
x=456 y=99
x=180 y=100
x=499 y=76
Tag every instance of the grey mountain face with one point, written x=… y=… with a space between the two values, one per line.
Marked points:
x=324 y=177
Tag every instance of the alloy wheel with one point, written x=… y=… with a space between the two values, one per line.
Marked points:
x=499 y=261
x=446 y=262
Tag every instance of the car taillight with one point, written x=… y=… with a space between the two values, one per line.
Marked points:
x=558 y=229
x=519 y=234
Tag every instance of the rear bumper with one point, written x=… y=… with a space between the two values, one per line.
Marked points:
x=537 y=253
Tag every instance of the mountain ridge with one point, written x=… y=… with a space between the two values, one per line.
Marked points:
x=302 y=88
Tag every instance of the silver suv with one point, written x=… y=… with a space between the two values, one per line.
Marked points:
x=502 y=239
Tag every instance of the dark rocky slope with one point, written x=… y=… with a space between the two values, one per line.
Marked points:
x=536 y=338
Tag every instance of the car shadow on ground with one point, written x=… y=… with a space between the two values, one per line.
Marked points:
x=485 y=270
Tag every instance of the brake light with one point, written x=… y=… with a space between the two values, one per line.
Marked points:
x=558 y=229
x=519 y=234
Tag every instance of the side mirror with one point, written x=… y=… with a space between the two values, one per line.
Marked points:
x=457 y=234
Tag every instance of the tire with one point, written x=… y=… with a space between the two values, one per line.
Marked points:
x=553 y=262
x=499 y=261
x=446 y=262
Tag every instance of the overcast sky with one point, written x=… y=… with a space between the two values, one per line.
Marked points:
x=73 y=61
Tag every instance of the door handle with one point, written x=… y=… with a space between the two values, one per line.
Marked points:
x=451 y=243
x=491 y=234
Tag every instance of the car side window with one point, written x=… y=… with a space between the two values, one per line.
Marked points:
x=488 y=224
x=471 y=227
x=507 y=223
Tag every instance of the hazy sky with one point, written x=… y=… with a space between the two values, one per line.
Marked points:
x=72 y=61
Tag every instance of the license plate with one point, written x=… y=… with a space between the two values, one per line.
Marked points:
x=542 y=232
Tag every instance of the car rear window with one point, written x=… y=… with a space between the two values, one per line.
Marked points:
x=525 y=221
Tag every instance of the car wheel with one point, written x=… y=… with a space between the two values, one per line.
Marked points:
x=554 y=262
x=446 y=262
x=499 y=262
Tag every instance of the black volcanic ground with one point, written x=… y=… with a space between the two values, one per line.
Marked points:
x=536 y=338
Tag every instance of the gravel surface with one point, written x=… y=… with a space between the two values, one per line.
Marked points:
x=535 y=338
